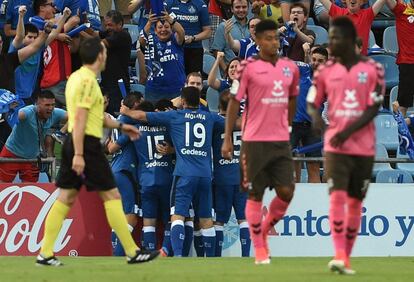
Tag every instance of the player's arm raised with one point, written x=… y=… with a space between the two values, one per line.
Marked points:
x=127 y=129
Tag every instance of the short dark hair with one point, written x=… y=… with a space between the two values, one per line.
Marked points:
x=322 y=51
x=232 y=2
x=139 y=94
x=90 y=49
x=346 y=26
x=164 y=104
x=115 y=16
x=265 y=25
x=224 y=99
x=195 y=74
x=37 y=4
x=131 y=99
x=146 y=106
x=191 y=95
x=45 y=94
x=30 y=28
x=300 y=5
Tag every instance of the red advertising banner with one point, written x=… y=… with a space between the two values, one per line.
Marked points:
x=23 y=210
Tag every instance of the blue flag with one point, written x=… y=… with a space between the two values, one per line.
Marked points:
x=10 y=104
x=404 y=136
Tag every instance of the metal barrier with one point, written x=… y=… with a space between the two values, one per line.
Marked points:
x=379 y=160
x=49 y=160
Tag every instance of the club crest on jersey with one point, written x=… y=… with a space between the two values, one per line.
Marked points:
x=287 y=72
x=350 y=99
x=169 y=43
x=278 y=88
x=362 y=77
x=411 y=19
x=191 y=9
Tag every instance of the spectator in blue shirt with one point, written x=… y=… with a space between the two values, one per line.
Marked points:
x=12 y=15
x=164 y=58
x=194 y=18
x=230 y=73
x=245 y=47
x=88 y=10
x=28 y=136
x=239 y=31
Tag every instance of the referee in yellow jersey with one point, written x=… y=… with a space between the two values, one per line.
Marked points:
x=83 y=159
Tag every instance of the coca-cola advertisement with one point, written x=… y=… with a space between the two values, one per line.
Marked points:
x=23 y=210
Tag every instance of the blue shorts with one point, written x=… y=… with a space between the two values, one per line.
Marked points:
x=226 y=197
x=156 y=202
x=128 y=191
x=195 y=190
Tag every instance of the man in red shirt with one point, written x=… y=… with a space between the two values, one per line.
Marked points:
x=404 y=22
x=362 y=18
x=354 y=86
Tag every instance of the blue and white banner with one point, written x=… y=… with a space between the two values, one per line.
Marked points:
x=387 y=227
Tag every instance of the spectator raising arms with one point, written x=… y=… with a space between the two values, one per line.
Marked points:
x=164 y=56
x=362 y=19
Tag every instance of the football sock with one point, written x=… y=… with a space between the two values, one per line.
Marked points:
x=166 y=243
x=188 y=240
x=245 y=239
x=209 y=240
x=219 y=239
x=198 y=243
x=117 y=221
x=254 y=219
x=53 y=224
x=149 y=237
x=117 y=249
x=337 y=222
x=353 y=223
x=277 y=210
x=177 y=237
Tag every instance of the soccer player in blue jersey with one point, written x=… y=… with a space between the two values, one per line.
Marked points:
x=155 y=177
x=123 y=165
x=193 y=16
x=302 y=132
x=191 y=131
x=226 y=183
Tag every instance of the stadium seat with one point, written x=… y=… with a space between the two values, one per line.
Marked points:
x=380 y=153
x=390 y=67
x=372 y=42
x=212 y=97
x=393 y=96
x=384 y=18
x=310 y=21
x=138 y=88
x=208 y=61
x=320 y=32
x=133 y=31
x=393 y=176
x=389 y=39
x=387 y=131
x=404 y=166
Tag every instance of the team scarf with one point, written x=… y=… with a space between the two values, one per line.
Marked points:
x=404 y=136
x=8 y=101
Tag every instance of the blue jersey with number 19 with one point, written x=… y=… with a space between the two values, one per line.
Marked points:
x=226 y=172
x=191 y=131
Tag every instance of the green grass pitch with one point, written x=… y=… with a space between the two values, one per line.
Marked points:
x=111 y=269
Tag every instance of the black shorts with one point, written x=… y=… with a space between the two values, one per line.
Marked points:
x=350 y=173
x=406 y=85
x=266 y=164
x=303 y=135
x=97 y=175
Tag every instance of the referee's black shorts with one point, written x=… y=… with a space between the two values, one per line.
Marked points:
x=97 y=175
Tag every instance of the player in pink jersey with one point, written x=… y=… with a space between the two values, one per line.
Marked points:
x=269 y=85
x=354 y=87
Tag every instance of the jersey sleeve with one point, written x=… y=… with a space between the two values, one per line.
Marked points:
x=160 y=118
x=59 y=114
x=87 y=95
x=316 y=94
x=243 y=47
x=377 y=95
x=294 y=87
x=336 y=11
x=122 y=140
x=242 y=78
x=399 y=9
